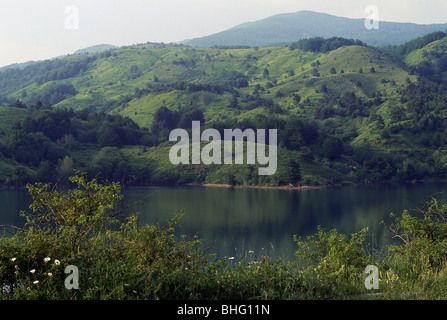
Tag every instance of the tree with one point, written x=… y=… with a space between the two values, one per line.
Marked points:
x=233 y=102
x=332 y=148
x=45 y=172
x=186 y=117
x=85 y=226
x=74 y=215
x=292 y=171
x=65 y=168
x=296 y=98
x=107 y=136
x=397 y=114
x=266 y=73
x=110 y=163
x=32 y=148
x=410 y=170
x=20 y=176
x=134 y=72
x=165 y=118
x=380 y=123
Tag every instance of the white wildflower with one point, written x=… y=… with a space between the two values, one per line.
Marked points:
x=46 y=259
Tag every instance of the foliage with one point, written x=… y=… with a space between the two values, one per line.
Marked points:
x=424 y=238
x=404 y=49
x=166 y=120
x=320 y=44
x=47 y=140
x=44 y=72
x=335 y=255
x=74 y=216
x=320 y=103
x=85 y=226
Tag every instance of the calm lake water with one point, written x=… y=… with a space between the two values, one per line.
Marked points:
x=242 y=219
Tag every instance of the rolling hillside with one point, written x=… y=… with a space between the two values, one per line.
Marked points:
x=352 y=114
x=137 y=81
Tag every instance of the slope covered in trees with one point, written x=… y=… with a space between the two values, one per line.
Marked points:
x=345 y=112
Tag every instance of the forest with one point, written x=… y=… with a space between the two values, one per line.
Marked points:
x=345 y=112
x=48 y=140
x=320 y=44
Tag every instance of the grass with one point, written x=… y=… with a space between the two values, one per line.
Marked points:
x=428 y=53
x=107 y=84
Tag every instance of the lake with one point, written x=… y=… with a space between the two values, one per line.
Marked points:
x=237 y=220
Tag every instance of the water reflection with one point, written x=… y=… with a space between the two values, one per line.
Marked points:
x=254 y=219
x=12 y=202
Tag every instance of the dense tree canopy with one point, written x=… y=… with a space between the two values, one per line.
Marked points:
x=320 y=44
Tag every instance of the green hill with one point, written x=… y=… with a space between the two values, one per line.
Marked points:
x=347 y=115
x=133 y=81
x=430 y=61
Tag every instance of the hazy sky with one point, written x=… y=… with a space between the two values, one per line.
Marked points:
x=42 y=29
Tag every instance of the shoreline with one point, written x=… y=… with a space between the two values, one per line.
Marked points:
x=312 y=187
x=283 y=187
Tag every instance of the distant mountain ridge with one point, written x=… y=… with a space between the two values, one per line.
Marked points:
x=89 y=50
x=290 y=27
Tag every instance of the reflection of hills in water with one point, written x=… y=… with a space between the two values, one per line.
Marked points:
x=251 y=219
x=243 y=219
x=12 y=202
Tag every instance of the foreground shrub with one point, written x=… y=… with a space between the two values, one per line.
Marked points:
x=416 y=267
x=423 y=236
x=335 y=262
x=85 y=226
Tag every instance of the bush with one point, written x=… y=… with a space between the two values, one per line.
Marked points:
x=335 y=263
x=424 y=239
x=335 y=255
x=85 y=226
